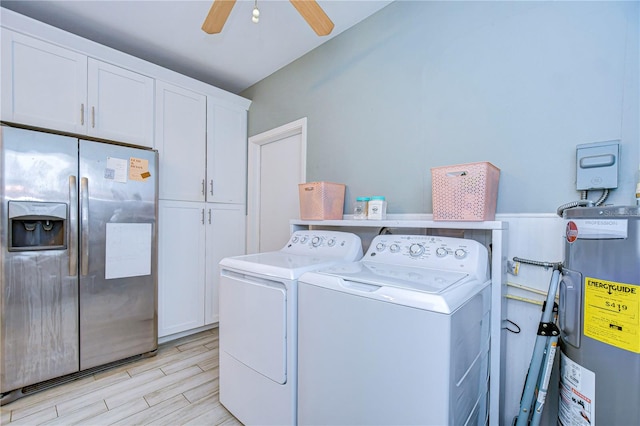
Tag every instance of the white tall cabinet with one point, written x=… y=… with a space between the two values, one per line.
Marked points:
x=187 y=135
x=60 y=82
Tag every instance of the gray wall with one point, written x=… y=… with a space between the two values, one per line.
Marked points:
x=423 y=84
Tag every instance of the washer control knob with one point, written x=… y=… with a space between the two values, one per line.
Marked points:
x=394 y=248
x=295 y=239
x=331 y=242
x=304 y=239
x=416 y=250
x=316 y=241
x=380 y=246
x=441 y=252
x=460 y=253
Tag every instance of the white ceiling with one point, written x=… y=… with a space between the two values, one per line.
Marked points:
x=168 y=33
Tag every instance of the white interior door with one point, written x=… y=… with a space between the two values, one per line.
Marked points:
x=277 y=164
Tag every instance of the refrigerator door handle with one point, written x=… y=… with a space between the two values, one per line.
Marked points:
x=73 y=221
x=84 y=225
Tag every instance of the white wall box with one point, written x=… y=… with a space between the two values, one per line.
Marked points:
x=48 y=86
x=181 y=137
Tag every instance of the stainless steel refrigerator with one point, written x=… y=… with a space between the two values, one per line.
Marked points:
x=78 y=263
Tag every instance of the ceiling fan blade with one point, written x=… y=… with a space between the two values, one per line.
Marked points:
x=218 y=14
x=314 y=15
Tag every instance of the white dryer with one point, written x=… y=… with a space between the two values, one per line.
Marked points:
x=400 y=337
x=258 y=323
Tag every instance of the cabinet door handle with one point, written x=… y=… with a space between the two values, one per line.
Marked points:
x=82 y=114
x=211 y=185
x=93 y=116
x=203 y=216
x=203 y=193
x=209 y=216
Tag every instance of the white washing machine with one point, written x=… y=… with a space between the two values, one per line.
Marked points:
x=398 y=338
x=258 y=323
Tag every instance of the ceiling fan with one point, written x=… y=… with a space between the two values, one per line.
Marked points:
x=309 y=9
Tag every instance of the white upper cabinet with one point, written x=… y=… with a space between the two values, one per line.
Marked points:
x=121 y=104
x=43 y=85
x=181 y=135
x=226 y=154
x=48 y=86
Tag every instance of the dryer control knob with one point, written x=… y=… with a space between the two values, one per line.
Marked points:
x=441 y=252
x=416 y=250
x=380 y=246
x=316 y=241
x=460 y=253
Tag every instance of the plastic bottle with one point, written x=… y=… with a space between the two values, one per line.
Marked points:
x=377 y=208
x=360 y=208
x=638 y=190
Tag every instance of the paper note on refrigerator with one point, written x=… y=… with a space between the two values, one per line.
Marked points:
x=116 y=169
x=138 y=169
x=128 y=250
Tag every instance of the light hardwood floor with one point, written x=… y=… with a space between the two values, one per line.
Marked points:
x=179 y=386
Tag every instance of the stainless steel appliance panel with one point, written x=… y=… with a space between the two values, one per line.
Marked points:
x=118 y=316
x=607 y=249
x=39 y=306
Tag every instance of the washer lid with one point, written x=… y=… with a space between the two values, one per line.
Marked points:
x=428 y=289
x=278 y=264
x=425 y=280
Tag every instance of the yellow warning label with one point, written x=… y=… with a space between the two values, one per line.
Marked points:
x=612 y=313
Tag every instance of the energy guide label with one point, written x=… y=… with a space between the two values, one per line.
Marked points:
x=611 y=313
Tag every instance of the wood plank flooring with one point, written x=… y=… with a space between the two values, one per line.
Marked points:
x=179 y=386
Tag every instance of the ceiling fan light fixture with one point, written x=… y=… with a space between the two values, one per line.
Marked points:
x=310 y=10
x=256 y=13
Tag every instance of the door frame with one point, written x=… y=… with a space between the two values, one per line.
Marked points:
x=298 y=127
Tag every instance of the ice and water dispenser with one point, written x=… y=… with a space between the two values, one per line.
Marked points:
x=37 y=226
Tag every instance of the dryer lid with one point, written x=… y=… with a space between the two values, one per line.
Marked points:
x=278 y=264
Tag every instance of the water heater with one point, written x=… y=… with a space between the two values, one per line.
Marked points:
x=599 y=318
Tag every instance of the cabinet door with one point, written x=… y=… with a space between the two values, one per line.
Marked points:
x=225 y=238
x=181 y=134
x=120 y=104
x=43 y=85
x=226 y=155
x=181 y=263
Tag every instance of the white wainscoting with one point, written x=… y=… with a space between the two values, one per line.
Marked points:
x=535 y=237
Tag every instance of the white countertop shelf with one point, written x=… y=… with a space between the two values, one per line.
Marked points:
x=403 y=221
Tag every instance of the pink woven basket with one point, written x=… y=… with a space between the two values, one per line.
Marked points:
x=465 y=192
x=321 y=200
